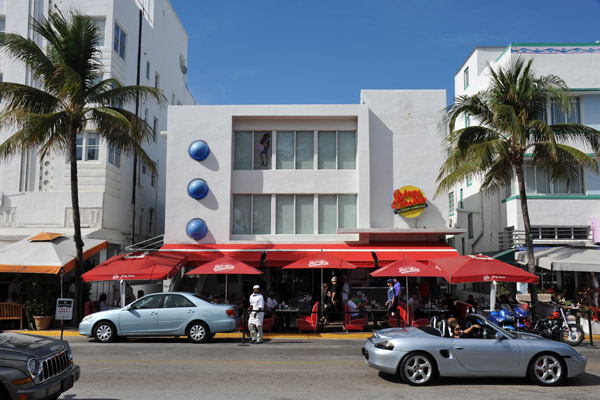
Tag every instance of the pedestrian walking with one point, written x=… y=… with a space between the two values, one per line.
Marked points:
x=256 y=315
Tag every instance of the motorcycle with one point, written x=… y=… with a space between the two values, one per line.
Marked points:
x=550 y=321
x=504 y=318
x=522 y=316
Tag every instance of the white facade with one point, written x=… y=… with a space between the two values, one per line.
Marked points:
x=554 y=210
x=35 y=194
x=397 y=143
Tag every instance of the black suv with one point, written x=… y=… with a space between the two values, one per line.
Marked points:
x=35 y=367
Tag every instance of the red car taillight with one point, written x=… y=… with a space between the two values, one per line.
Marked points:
x=231 y=312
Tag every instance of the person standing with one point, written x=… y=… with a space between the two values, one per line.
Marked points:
x=256 y=316
x=397 y=290
x=265 y=142
x=390 y=297
x=345 y=289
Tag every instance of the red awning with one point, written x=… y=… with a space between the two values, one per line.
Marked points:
x=137 y=266
x=279 y=255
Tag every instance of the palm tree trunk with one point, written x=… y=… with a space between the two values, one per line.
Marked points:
x=77 y=226
x=527 y=224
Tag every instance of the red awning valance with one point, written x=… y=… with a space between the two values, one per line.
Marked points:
x=279 y=255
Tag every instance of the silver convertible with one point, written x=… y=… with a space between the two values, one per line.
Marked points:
x=419 y=354
x=162 y=314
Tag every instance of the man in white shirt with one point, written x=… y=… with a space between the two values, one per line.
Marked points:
x=256 y=315
x=345 y=289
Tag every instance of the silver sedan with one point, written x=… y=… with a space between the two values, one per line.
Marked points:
x=162 y=314
x=419 y=354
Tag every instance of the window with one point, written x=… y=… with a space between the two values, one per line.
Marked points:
x=118 y=103
x=157 y=80
x=252 y=150
x=295 y=149
x=337 y=150
x=470 y=225
x=560 y=116
x=154 y=128
x=294 y=214
x=176 y=301
x=144 y=169
x=150 y=219
x=114 y=156
x=2 y=26
x=119 y=41
x=467 y=120
x=469 y=180
x=466 y=77
x=88 y=147
x=251 y=214
x=146 y=303
x=451 y=203
x=173 y=99
x=537 y=181
x=148 y=70
x=153 y=179
x=101 y=24
x=560 y=232
x=461 y=198
x=146 y=114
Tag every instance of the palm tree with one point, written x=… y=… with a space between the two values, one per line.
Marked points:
x=512 y=126
x=70 y=96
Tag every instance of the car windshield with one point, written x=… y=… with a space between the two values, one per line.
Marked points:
x=206 y=299
x=511 y=334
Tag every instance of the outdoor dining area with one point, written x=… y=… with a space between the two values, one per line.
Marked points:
x=298 y=295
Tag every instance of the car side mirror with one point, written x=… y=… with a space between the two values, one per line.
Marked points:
x=499 y=336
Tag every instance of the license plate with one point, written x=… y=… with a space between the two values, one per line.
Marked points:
x=66 y=384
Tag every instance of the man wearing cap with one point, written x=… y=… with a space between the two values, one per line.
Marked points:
x=255 y=318
x=390 y=296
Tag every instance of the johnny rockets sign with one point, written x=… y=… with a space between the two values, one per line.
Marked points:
x=409 y=201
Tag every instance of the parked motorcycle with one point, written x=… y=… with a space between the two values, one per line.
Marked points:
x=522 y=317
x=550 y=321
x=504 y=318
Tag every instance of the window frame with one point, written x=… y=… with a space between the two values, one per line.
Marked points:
x=451 y=205
x=114 y=156
x=84 y=147
x=466 y=77
x=119 y=41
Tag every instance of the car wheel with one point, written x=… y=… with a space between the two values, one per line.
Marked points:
x=573 y=336
x=547 y=369
x=198 y=332
x=418 y=369
x=105 y=332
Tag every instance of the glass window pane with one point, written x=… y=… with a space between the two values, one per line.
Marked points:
x=577 y=183
x=558 y=115
x=327 y=214
x=347 y=150
x=116 y=38
x=561 y=187
x=327 y=149
x=284 y=214
x=261 y=221
x=529 y=172
x=262 y=150
x=242 y=208
x=305 y=215
x=347 y=211
x=573 y=117
x=542 y=181
x=285 y=150
x=305 y=150
x=242 y=150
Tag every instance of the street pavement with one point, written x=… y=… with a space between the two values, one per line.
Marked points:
x=281 y=368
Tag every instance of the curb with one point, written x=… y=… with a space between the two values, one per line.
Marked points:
x=238 y=335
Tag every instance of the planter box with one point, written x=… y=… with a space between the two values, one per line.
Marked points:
x=586 y=328
x=42 y=323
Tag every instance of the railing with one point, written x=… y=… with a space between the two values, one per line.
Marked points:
x=8 y=217
x=151 y=244
x=509 y=239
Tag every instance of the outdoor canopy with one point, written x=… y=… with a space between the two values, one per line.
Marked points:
x=137 y=266
x=480 y=268
x=565 y=258
x=46 y=253
x=225 y=266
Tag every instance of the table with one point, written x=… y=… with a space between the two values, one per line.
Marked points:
x=286 y=314
x=375 y=313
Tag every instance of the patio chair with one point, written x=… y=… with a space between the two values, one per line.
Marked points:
x=402 y=307
x=356 y=324
x=309 y=322
x=462 y=309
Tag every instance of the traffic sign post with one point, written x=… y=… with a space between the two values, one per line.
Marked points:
x=64 y=311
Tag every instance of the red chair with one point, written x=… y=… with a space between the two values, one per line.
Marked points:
x=268 y=324
x=462 y=309
x=356 y=324
x=393 y=322
x=309 y=322
x=402 y=307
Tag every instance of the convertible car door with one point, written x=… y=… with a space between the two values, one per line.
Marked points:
x=487 y=355
x=141 y=318
x=177 y=311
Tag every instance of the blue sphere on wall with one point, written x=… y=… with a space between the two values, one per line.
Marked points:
x=199 y=150
x=196 y=228
x=197 y=188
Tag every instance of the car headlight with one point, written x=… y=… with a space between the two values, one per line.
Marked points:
x=386 y=345
x=87 y=318
x=34 y=367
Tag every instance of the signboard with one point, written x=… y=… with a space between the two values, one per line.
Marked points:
x=64 y=309
x=409 y=201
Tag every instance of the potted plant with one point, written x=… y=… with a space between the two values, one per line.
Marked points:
x=40 y=301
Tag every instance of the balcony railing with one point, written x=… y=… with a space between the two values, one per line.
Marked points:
x=509 y=239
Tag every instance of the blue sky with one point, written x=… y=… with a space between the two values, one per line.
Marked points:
x=326 y=51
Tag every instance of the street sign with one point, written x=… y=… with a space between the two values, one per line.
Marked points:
x=64 y=309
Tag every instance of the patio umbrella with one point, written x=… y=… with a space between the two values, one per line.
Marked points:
x=320 y=261
x=480 y=268
x=407 y=267
x=137 y=266
x=225 y=266
x=46 y=253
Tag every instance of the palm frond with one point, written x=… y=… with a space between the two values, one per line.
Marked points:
x=18 y=99
x=578 y=133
